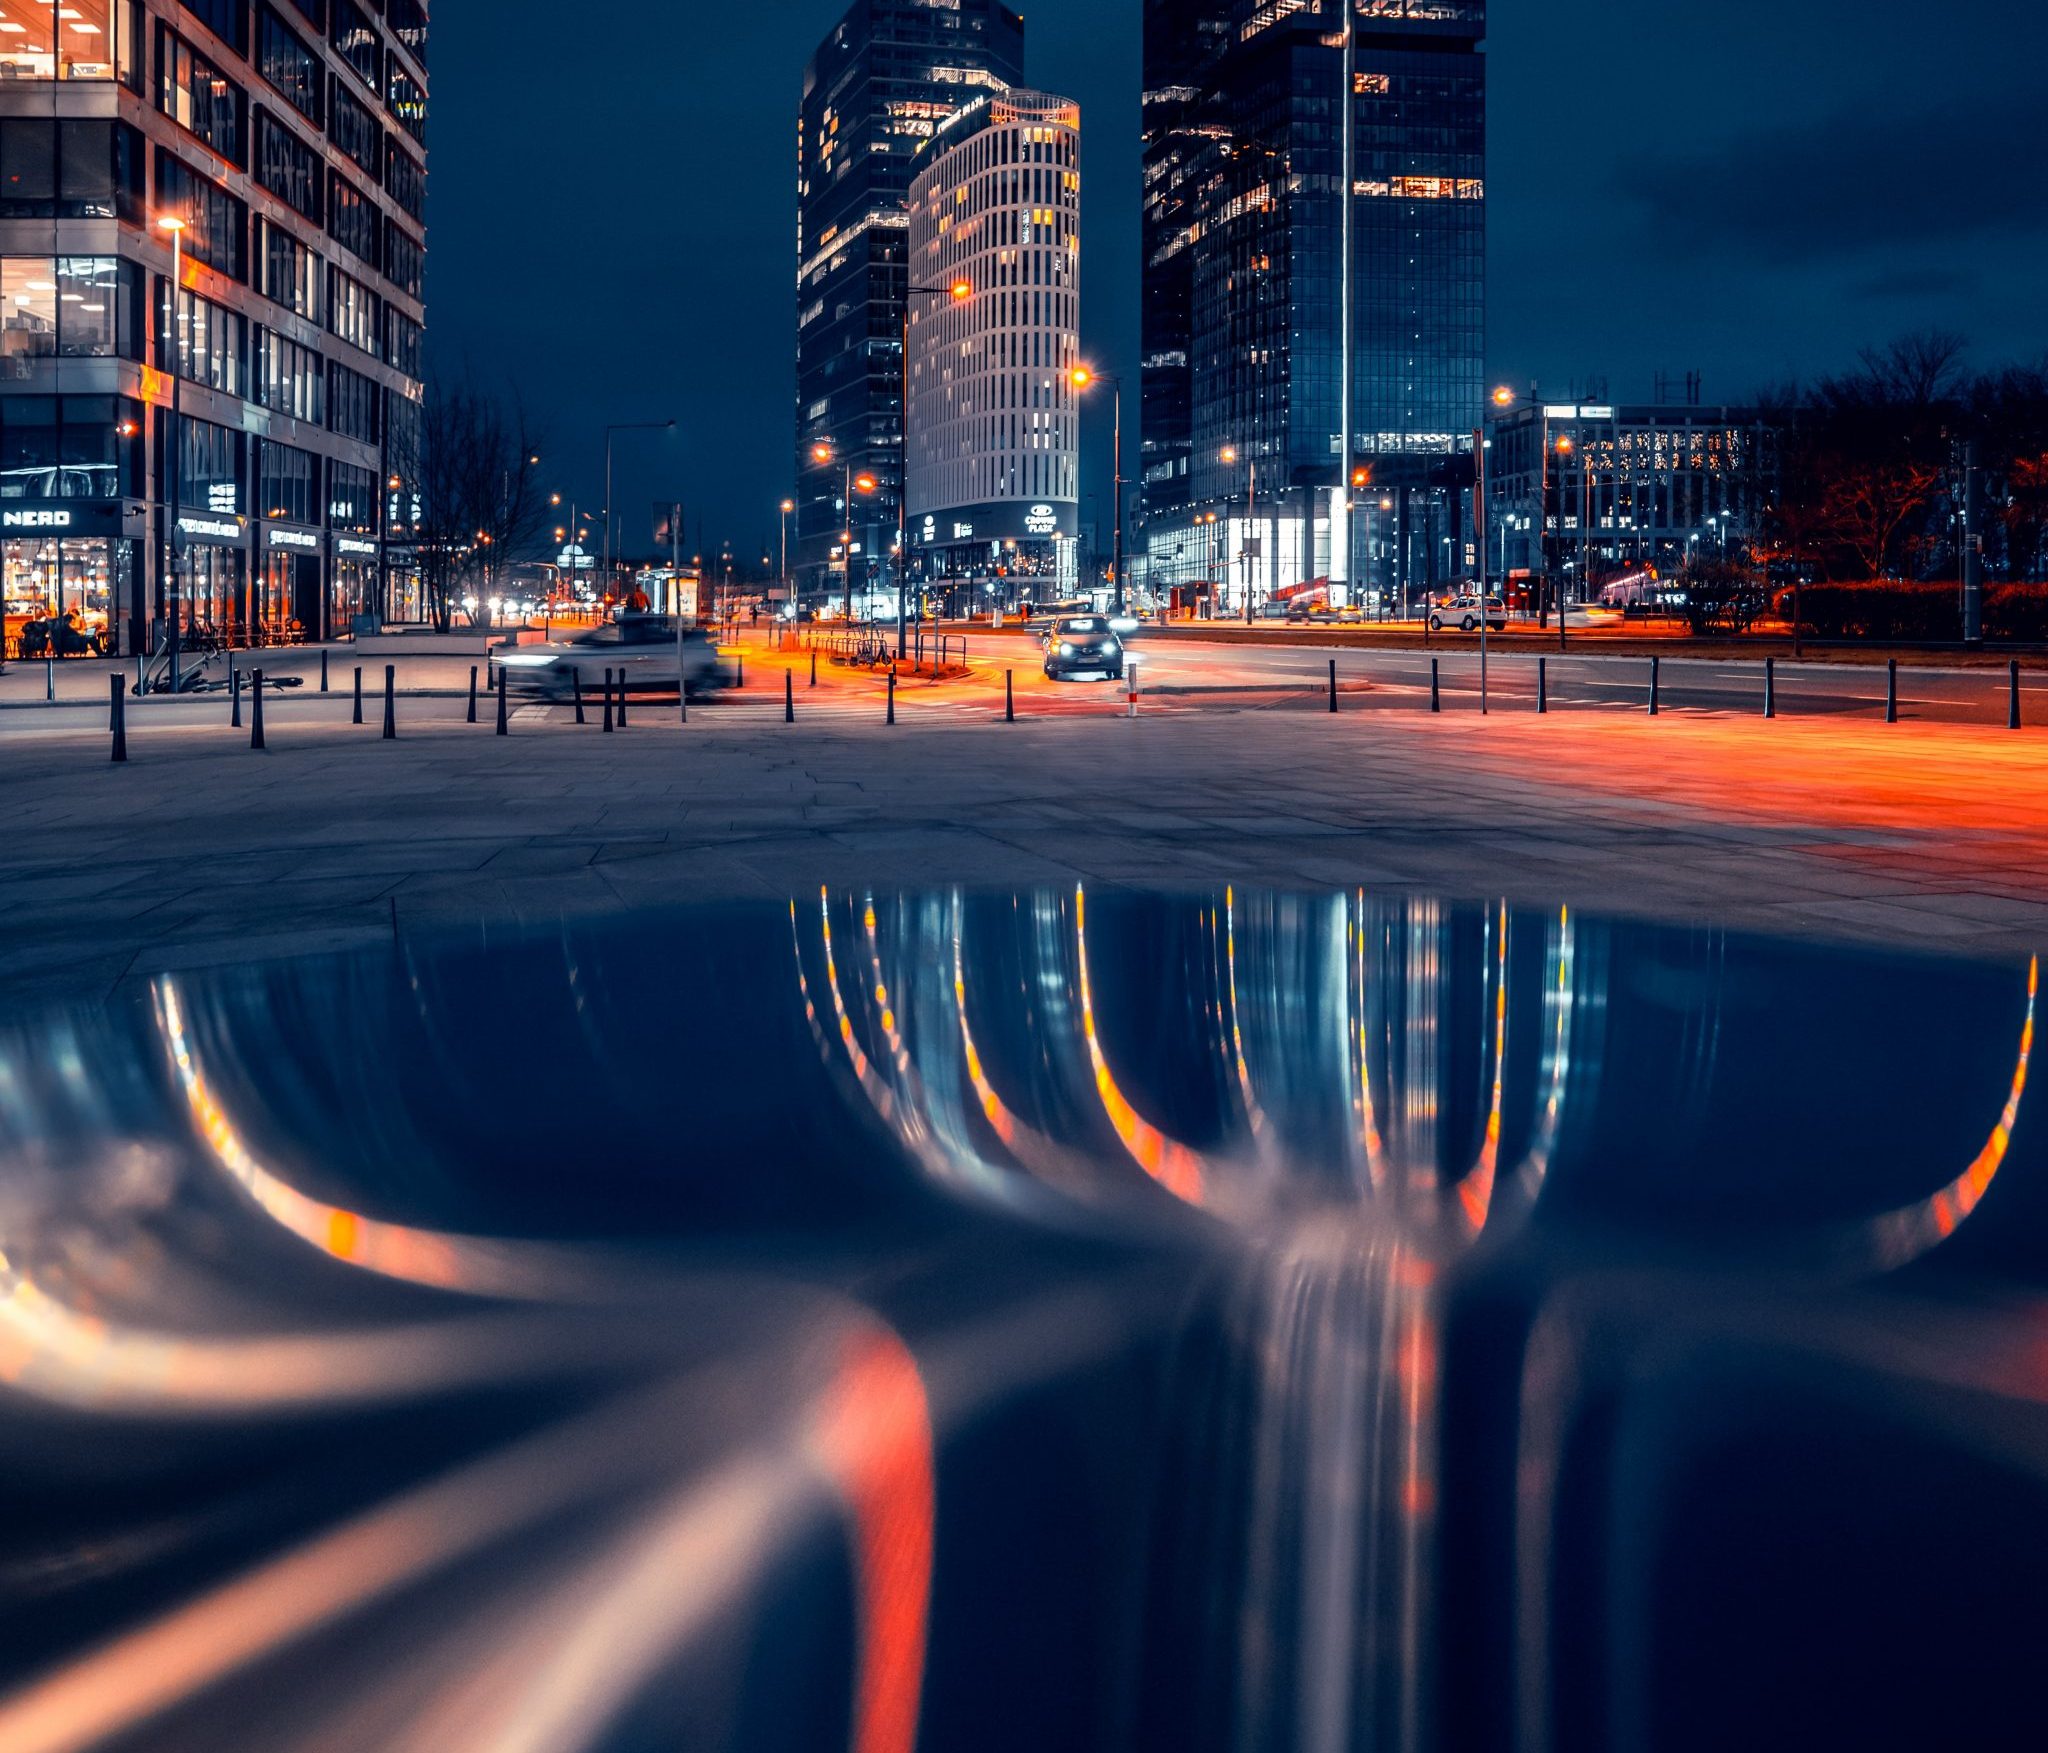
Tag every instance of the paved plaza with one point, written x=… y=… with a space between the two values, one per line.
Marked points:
x=201 y=851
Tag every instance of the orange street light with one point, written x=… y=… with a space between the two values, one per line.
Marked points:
x=865 y=483
x=821 y=453
x=1361 y=477
x=962 y=291
x=1080 y=377
x=1503 y=397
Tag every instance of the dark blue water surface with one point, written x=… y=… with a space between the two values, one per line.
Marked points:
x=1056 y=1320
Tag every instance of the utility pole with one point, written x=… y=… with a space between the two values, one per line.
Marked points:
x=1347 y=101
x=1973 y=546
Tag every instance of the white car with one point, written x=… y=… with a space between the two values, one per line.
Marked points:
x=643 y=648
x=1463 y=613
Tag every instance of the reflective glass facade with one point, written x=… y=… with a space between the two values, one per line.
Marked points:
x=188 y=448
x=1244 y=227
x=875 y=92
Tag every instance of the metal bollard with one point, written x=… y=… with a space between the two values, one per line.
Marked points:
x=622 y=697
x=814 y=666
x=2012 y=716
x=1436 y=685
x=323 y=669
x=50 y=678
x=740 y=661
x=1009 y=697
x=1891 y=690
x=789 y=696
x=608 y=727
x=390 y=702
x=1543 y=684
x=1333 y=684
x=359 y=694
x=576 y=691
x=504 y=724
x=117 y=717
x=234 y=696
x=256 y=710
x=1131 y=687
x=472 y=693
x=892 y=693
x=1770 y=687
x=1656 y=667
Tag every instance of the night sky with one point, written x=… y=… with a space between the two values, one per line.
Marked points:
x=1752 y=189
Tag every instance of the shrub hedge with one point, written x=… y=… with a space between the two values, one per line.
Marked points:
x=1917 y=613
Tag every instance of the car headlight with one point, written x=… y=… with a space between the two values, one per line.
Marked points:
x=526 y=660
x=1067 y=651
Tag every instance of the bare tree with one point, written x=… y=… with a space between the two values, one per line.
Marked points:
x=476 y=487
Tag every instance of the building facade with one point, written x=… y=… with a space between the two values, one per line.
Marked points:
x=1587 y=493
x=995 y=468
x=1247 y=479
x=877 y=89
x=227 y=446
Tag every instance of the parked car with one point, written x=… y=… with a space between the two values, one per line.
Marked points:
x=642 y=648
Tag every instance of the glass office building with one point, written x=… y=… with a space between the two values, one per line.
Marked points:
x=995 y=466
x=225 y=445
x=1244 y=229
x=878 y=88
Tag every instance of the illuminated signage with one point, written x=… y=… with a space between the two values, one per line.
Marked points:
x=354 y=545
x=1041 y=520
x=220 y=496
x=293 y=539
x=216 y=528
x=35 y=520
x=963 y=532
x=931 y=528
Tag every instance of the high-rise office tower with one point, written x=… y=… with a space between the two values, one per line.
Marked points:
x=225 y=444
x=877 y=89
x=995 y=468
x=1245 y=162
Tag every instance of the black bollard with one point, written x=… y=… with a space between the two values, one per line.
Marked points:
x=741 y=661
x=622 y=697
x=608 y=702
x=1333 y=684
x=1656 y=665
x=118 y=717
x=359 y=693
x=814 y=666
x=1891 y=690
x=1543 y=684
x=1770 y=687
x=256 y=710
x=2012 y=716
x=789 y=696
x=1009 y=697
x=576 y=691
x=390 y=702
x=892 y=693
x=1436 y=685
x=234 y=696
x=472 y=693
x=504 y=724
x=323 y=669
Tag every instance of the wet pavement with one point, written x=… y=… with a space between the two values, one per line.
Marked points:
x=1047 y=1317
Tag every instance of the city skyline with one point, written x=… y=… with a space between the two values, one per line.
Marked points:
x=1655 y=253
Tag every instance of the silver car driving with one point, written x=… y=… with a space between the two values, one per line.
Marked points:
x=642 y=648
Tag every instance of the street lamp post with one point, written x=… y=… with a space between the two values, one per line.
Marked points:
x=175 y=448
x=788 y=594
x=1083 y=379
x=1251 y=518
x=621 y=426
x=959 y=291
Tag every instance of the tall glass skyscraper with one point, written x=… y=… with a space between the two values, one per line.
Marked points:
x=880 y=85
x=1244 y=423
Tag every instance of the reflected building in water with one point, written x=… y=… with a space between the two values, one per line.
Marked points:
x=289 y=140
x=1246 y=458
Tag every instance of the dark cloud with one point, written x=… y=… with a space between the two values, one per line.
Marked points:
x=1859 y=182
x=1914 y=283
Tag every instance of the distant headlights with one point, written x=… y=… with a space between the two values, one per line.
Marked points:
x=526 y=660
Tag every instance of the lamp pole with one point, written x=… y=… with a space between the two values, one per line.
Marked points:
x=959 y=291
x=1251 y=520
x=1083 y=378
x=176 y=227
x=621 y=426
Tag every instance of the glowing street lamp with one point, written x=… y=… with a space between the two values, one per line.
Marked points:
x=959 y=291
x=1084 y=378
